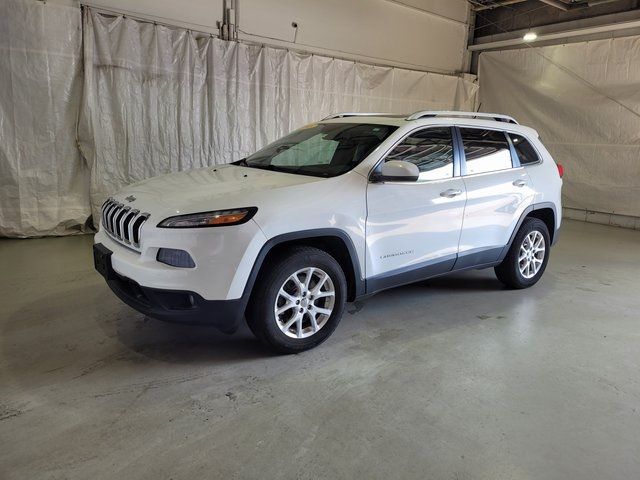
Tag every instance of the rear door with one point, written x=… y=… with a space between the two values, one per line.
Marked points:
x=413 y=227
x=498 y=191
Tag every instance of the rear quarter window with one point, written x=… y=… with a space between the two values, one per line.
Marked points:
x=526 y=153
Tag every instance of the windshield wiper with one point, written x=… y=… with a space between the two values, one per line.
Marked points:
x=274 y=168
x=299 y=171
x=243 y=163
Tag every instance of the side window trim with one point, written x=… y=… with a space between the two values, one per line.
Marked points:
x=458 y=149
x=456 y=152
x=515 y=162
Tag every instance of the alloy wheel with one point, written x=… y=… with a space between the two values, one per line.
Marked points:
x=304 y=302
x=531 y=254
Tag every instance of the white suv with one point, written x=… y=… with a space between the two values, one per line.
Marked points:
x=335 y=211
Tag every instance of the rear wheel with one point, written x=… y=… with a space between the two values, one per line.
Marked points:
x=298 y=301
x=528 y=256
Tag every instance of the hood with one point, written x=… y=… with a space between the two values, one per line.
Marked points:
x=212 y=188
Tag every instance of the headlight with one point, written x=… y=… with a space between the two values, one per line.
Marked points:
x=218 y=218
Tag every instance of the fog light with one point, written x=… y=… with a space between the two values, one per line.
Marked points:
x=175 y=258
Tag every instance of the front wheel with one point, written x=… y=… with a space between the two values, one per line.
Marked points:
x=298 y=301
x=528 y=256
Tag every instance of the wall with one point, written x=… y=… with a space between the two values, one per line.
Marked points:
x=418 y=34
x=583 y=99
x=44 y=182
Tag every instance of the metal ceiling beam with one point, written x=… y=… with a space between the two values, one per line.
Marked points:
x=574 y=5
x=543 y=37
x=478 y=7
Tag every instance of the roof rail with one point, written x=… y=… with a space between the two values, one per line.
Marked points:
x=355 y=114
x=436 y=113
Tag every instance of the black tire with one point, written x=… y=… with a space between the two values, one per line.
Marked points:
x=261 y=316
x=508 y=272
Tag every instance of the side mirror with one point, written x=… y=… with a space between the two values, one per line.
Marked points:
x=398 y=171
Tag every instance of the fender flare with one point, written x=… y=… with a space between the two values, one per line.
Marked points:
x=269 y=245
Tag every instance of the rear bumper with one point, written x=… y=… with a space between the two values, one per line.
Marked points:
x=178 y=306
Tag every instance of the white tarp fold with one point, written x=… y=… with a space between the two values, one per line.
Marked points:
x=43 y=179
x=584 y=100
x=160 y=99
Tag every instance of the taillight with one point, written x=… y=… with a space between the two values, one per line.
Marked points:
x=560 y=170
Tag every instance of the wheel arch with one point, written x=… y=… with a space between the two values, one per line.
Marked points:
x=545 y=211
x=333 y=241
x=548 y=216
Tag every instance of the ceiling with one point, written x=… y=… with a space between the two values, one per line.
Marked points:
x=564 y=5
x=501 y=16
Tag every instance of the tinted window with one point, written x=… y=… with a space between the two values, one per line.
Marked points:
x=322 y=149
x=526 y=153
x=485 y=150
x=431 y=150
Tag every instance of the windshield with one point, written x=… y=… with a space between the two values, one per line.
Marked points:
x=323 y=149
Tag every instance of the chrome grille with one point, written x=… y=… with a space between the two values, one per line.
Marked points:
x=123 y=223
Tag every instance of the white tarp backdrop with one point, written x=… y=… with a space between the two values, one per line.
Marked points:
x=160 y=99
x=578 y=96
x=155 y=99
x=44 y=185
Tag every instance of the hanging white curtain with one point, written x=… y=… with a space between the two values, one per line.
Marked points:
x=155 y=99
x=584 y=100
x=160 y=99
x=44 y=183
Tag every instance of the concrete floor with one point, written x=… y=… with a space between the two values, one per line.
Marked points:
x=454 y=378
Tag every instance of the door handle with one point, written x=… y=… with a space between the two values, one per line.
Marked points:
x=450 y=193
x=519 y=183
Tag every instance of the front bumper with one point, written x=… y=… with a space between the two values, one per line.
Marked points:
x=224 y=258
x=179 y=306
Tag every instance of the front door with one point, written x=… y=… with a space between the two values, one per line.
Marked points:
x=413 y=227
